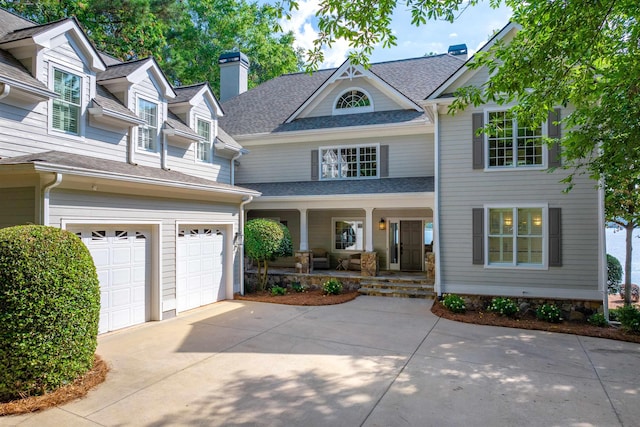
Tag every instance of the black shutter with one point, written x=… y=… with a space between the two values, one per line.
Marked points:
x=384 y=161
x=478 y=236
x=553 y=128
x=477 y=122
x=314 y=165
x=555 y=237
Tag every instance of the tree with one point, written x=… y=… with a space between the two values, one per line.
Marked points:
x=186 y=38
x=265 y=240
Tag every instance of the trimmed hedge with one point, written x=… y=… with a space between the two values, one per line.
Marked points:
x=49 y=310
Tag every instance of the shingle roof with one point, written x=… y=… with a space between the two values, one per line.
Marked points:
x=10 y=22
x=345 y=187
x=58 y=158
x=264 y=109
x=185 y=93
x=29 y=31
x=117 y=71
x=106 y=100
x=227 y=139
x=12 y=69
x=174 y=122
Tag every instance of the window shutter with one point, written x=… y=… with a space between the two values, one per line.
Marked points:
x=478 y=236
x=314 y=165
x=555 y=238
x=384 y=161
x=477 y=121
x=554 y=132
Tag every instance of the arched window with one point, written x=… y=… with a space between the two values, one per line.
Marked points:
x=353 y=101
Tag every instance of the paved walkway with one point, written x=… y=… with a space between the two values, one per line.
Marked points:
x=370 y=362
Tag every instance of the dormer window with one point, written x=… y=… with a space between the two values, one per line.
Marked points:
x=353 y=101
x=66 y=109
x=147 y=133
x=203 y=149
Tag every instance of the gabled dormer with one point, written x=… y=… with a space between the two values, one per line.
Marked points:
x=352 y=89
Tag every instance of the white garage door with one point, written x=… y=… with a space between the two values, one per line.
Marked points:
x=199 y=264
x=120 y=254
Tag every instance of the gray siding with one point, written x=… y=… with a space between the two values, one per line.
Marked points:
x=463 y=188
x=408 y=156
x=79 y=205
x=18 y=206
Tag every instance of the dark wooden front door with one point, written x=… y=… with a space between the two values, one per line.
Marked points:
x=411 y=243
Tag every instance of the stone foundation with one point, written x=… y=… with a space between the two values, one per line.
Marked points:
x=313 y=281
x=574 y=310
x=369 y=264
x=431 y=265
x=304 y=263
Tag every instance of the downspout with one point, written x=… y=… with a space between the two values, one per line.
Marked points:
x=602 y=245
x=240 y=241
x=164 y=152
x=233 y=166
x=5 y=90
x=131 y=148
x=436 y=199
x=45 y=197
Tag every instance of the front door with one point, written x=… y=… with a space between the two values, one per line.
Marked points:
x=411 y=246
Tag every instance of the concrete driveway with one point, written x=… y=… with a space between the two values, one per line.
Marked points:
x=370 y=362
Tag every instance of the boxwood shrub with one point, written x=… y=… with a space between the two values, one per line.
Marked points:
x=49 y=310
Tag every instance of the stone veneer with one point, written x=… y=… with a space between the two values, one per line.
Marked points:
x=431 y=265
x=369 y=264
x=303 y=262
x=577 y=310
x=313 y=281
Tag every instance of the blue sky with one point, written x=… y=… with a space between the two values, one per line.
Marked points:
x=473 y=27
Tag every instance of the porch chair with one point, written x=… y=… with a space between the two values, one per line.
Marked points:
x=320 y=258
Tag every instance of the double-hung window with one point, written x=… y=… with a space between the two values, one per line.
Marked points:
x=66 y=108
x=203 y=148
x=516 y=236
x=511 y=145
x=349 y=162
x=148 y=133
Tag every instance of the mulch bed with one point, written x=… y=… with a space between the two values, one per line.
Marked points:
x=313 y=297
x=532 y=323
x=79 y=388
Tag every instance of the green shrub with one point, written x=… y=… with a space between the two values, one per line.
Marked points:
x=49 y=310
x=629 y=317
x=503 y=306
x=454 y=303
x=549 y=313
x=297 y=287
x=278 y=290
x=613 y=315
x=598 y=319
x=332 y=287
x=614 y=274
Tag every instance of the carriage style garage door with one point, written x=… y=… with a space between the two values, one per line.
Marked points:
x=121 y=256
x=199 y=258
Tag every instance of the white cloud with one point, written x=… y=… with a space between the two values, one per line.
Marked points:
x=453 y=35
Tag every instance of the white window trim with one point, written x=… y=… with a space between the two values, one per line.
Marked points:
x=514 y=168
x=83 y=103
x=333 y=236
x=158 y=144
x=339 y=111
x=332 y=147
x=211 y=139
x=545 y=237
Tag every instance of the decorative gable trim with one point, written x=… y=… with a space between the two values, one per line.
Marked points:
x=348 y=71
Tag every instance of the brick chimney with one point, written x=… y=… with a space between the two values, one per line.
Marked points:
x=234 y=74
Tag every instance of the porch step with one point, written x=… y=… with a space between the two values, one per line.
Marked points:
x=401 y=288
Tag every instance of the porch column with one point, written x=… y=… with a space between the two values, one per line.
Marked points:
x=368 y=230
x=304 y=230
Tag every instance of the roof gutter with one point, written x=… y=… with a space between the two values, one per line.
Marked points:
x=6 y=88
x=45 y=197
x=28 y=88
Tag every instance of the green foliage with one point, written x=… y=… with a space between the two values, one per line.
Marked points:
x=549 y=313
x=332 y=287
x=629 y=318
x=503 y=306
x=278 y=290
x=265 y=240
x=598 y=319
x=613 y=315
x=614 y=274
x=297 y=287
x=454 y=303
x=186 y=38
x=50 y=307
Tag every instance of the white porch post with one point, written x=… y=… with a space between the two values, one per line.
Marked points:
x=368 y=230
x=304 y=230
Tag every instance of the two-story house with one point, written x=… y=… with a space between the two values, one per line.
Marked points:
x=139 y=169
x=369 y=160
